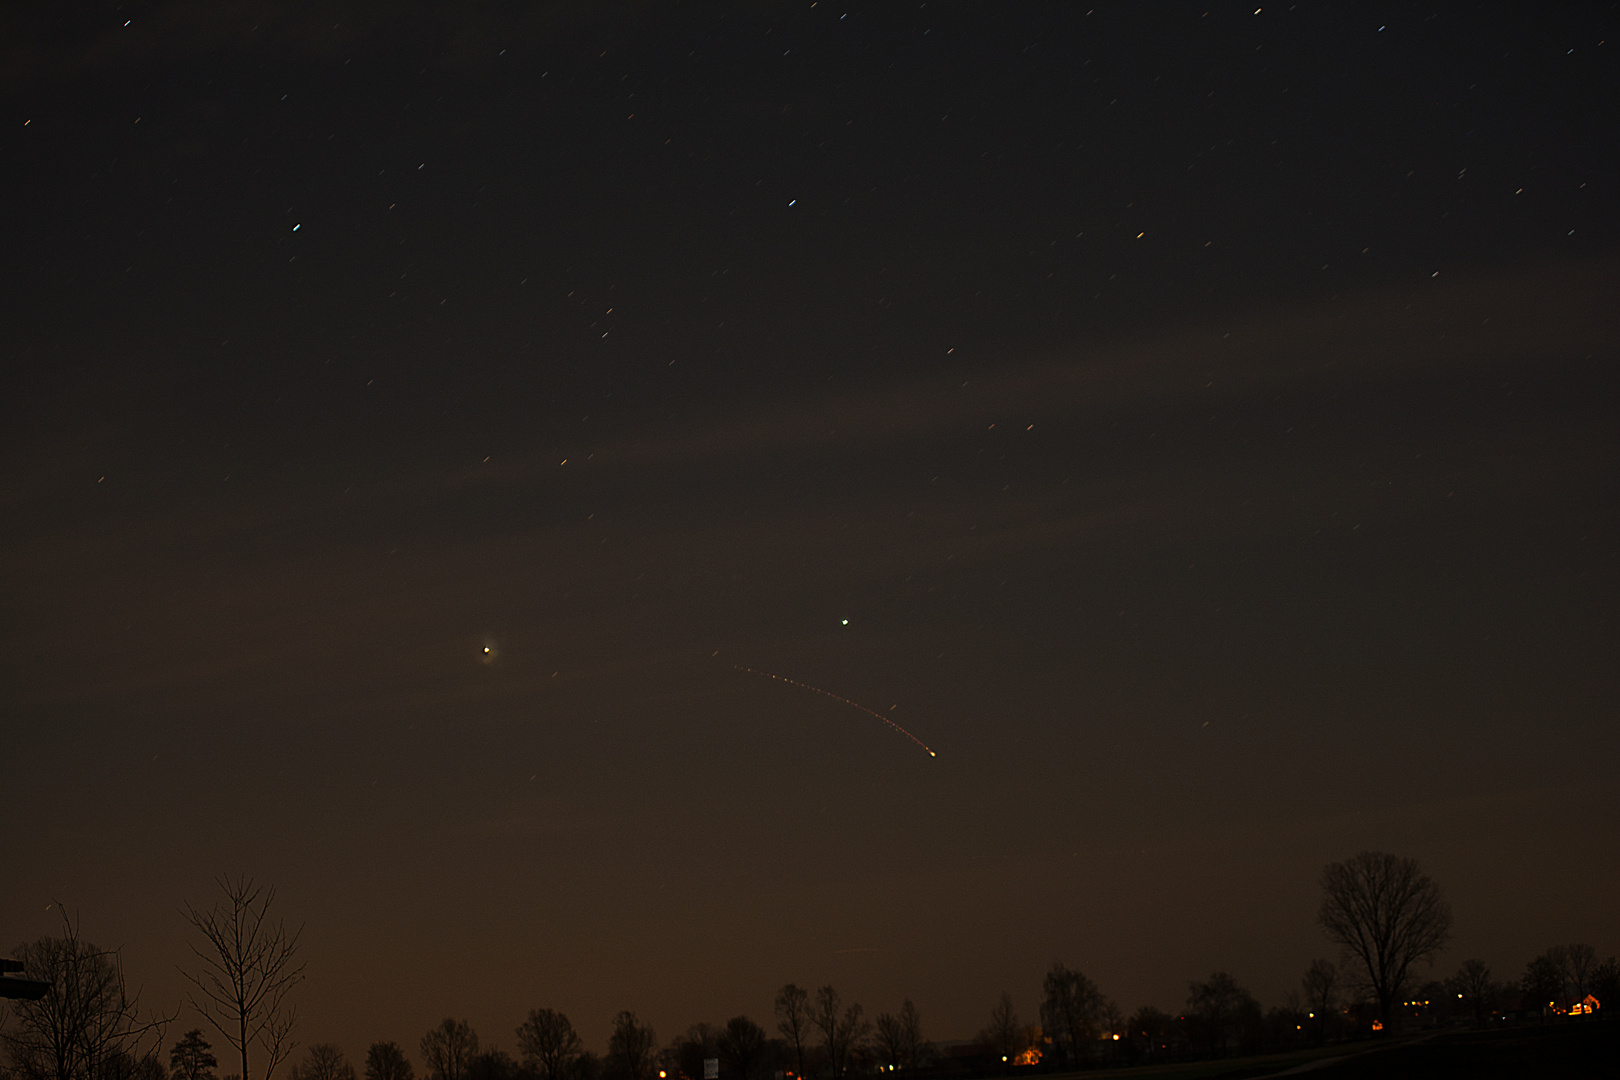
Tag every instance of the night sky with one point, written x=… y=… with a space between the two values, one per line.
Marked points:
x=1196 y=424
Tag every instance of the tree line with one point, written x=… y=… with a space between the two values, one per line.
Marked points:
x=1385 y=915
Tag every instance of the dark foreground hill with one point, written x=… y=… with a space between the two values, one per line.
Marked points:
x=1563 y=1051
x=1560 y=1050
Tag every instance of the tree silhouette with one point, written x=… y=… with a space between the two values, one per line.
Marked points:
x=248 y=968
x=587 y=1066
x=888 y=1041
x=630 y=1048
x=86 y=1024
x=1150 y=1029
x=1110 y=1020
x=1219 y=1004
x=842 y=1033
x=1580 y=963
x=492 y=1065
x=448 y=1050
x=701 y=1041
x=549 y=1044
x=1003 y=1034
x=899 y=1038
x=122 y=1065
x=1321 y=986
x=192 y=1058
x=1387 y=914
x=386 y=1061
x=911 y=1032
x=1543 y=981
x=742 y=1044
x=1472 y=985
x=1069 y=1011
x=323 y=1061
x=793 y=1020
x=1606 y=983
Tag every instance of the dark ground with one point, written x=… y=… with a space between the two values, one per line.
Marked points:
x=1561 y=1050
x=1555 y=1050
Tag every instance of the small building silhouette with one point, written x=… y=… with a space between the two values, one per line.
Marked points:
x=19 y=986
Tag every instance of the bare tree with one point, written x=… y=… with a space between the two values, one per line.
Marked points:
x=386 y=1061
x=1387 y=914
x=192 y=1058
x=742 y=1046
x=1472 y=984
x=1321 y=986
x=1543 y=981
x=493 y=1065
x=1110 y=1019
x=323 y=1061
x=588 y=1066
x=631 y=1048
x=890 y=1041
x=1150 y=1029
x=1069 y=1011
x=793 y=1020
x=842 y=1033
x=125 y=1066
x=1580 y=964
x=687 y=1052
x=911 y=1033
x=549 y=1044
x=1219 y=1004
x=1003 y=1034
x=1606 y=981
x=87 y=1023
x=448 y=1050
x=248 y=967
x=899 y=1039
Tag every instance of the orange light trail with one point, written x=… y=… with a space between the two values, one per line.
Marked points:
x=839 y=697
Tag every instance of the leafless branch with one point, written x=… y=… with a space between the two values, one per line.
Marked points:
x=1387 y=914
x=85 y=1020
x=248 y=966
